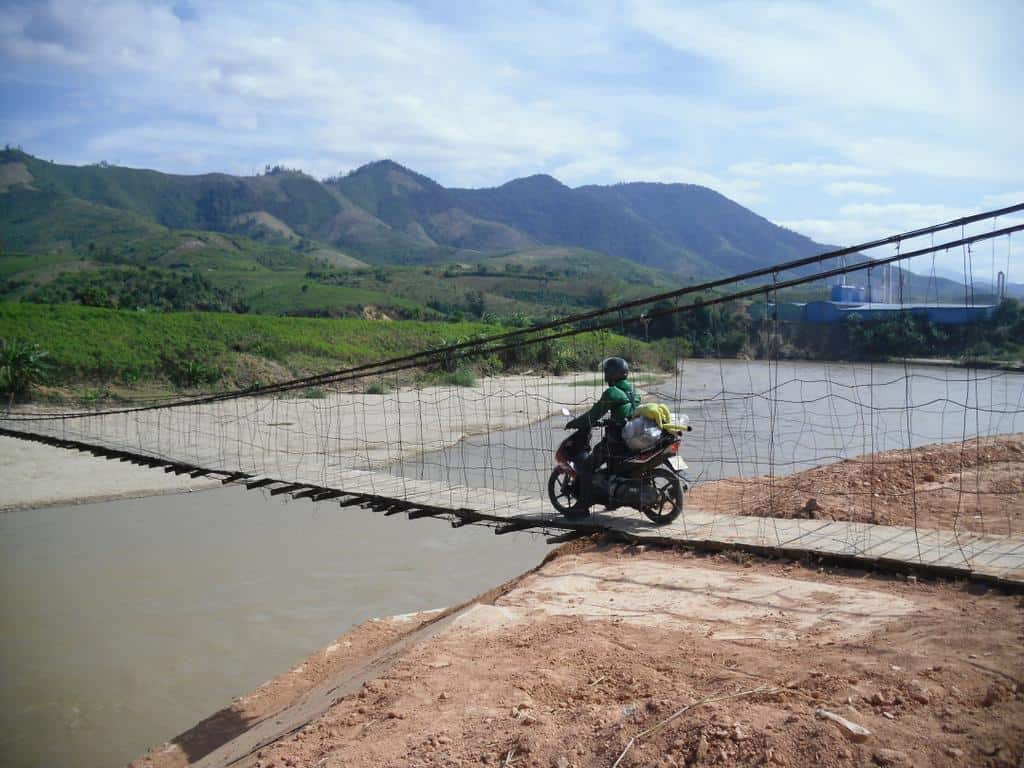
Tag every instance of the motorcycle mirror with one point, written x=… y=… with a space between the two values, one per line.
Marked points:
x=565 y=412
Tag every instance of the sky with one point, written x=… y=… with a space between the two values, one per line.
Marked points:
x=842 y=121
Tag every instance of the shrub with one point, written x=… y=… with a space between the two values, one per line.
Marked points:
x=23 y=365
x=376 y=388
x=189 y=374
x=461 y=377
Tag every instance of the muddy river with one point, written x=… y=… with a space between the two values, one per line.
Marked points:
x=126 y=622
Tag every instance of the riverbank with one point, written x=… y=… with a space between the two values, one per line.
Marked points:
x=655 y=656
x=38 y=475
x=969 y=485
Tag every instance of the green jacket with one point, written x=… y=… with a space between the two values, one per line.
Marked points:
x=620 y=399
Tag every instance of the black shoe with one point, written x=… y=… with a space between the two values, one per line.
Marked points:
x=580 y=509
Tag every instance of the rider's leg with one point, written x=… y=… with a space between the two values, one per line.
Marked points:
x=585 y=476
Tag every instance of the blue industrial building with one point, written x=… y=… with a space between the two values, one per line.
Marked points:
x=832 y=313
x=850 y=300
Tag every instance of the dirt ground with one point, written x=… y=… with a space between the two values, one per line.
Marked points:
x=611 y=655
x=975 y=485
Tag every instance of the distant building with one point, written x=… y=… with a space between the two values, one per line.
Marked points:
x=832 y=313
x=850 y=300
x=786 y=311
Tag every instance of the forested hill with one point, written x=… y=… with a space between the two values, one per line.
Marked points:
x=384 y=213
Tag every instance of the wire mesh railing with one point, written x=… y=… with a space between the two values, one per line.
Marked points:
x=923 y=445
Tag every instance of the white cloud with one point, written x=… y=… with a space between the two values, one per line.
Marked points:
x=931 y=158
x=611 y=169
x=1003 y=200
x=758 y=168
x=904 y=57
x=913 y=213
x=895 y=87
x=864 y=222
x=339 y=84
x=837 y=102
x=856 y=189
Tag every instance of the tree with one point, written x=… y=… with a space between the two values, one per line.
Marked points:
x=23 y=365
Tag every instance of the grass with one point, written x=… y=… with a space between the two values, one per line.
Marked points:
x=105 y=345
x=13 y=263
x=124 y=351
x=461 y=377
x=296 y=296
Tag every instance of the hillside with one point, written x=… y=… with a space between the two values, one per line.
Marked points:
x=385 y=213
x=96 y=353
x=381 y=241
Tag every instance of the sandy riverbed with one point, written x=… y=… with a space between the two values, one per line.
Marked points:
x=36 y=475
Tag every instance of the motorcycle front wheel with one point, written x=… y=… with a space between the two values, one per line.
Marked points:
x=563 y=493
x=668 y=499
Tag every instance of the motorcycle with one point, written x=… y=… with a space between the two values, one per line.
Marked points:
x=652 y=481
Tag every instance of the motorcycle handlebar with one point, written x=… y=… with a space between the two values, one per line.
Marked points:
x=602 y=423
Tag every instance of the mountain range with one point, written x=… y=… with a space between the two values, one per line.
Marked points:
x=385 y=213
x=381 y=240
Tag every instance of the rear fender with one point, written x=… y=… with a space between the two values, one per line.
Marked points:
x=679 y=467
x=677 y=463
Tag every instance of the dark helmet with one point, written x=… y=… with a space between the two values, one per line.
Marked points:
x=615 y=369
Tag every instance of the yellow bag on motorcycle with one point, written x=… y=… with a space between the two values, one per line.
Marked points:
x=659 y=414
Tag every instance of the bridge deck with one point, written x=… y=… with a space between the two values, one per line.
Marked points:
x=998 y=558
x=992 y=557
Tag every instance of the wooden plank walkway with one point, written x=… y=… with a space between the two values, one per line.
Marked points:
x=997 y=559
x=960 y=553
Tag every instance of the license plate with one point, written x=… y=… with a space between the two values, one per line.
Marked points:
x=677 y=463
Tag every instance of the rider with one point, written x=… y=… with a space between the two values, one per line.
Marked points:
x=620 y=399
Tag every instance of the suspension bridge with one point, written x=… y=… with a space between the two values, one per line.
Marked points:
x=481 y=455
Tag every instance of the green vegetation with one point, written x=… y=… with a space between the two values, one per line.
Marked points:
x=23 y=365
x=131 y=352
x=462 y=376
x=134 y=279
x=205 y=271
x=190 y=348
x=136 y=288
x=386 y=214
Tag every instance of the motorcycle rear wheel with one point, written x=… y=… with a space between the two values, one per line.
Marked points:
x=668 y=503
x=563 y=493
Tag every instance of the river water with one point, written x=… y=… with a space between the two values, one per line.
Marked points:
x=126 y=622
